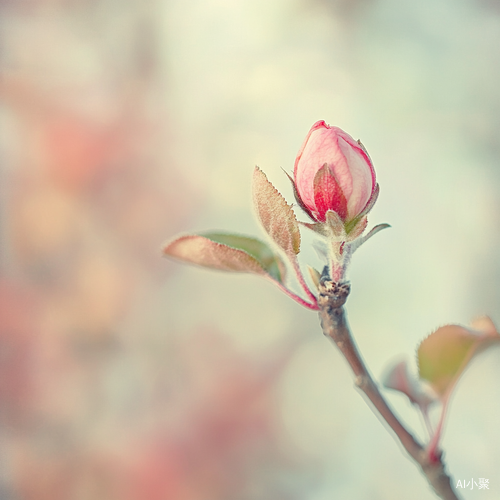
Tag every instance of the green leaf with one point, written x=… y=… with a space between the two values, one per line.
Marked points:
x=227 y=252
x=444 y=355
x=261 y=252
x=275 y=214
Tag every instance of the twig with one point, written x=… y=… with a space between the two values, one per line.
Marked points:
x=331 y=300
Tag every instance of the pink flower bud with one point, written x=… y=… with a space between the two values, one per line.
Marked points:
x=334 y=172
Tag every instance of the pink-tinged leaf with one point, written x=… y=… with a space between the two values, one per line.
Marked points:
x=275 y=214
x=399 y=378
x=444 y=355
x=328 y=195
x=485 y=325
x=227 y=252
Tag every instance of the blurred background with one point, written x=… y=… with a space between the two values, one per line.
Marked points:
x=125 y=376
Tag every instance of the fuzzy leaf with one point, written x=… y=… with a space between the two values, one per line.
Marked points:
x=227 y=252
x=275 y=214
x=444 y=355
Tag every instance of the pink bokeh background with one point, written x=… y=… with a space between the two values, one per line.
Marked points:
x=124 y=376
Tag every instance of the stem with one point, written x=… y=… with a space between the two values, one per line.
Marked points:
x=295 y=297
x=331 y=300
x=302 y=282
x=432 y=448
x=427 y=421
x=337 y=267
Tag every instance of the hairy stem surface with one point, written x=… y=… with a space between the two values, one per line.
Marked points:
x=331 y=300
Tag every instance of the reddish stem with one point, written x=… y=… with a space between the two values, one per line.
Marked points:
x=300 y=300
x=302 y=282
x=432 y=448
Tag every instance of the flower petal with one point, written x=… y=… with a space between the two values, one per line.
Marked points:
x=360 y=176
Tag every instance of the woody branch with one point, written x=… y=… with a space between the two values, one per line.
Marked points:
x=331 y=300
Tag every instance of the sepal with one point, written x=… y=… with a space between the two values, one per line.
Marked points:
x=371 y=202
x=335 y=225
x=298 y=199
x=328 y=194
x=357 y=230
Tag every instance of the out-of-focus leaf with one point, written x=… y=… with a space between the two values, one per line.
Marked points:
x=399 y=378
x=275 y=214
x=227 y=252
x=485 y=325
x=444 y=355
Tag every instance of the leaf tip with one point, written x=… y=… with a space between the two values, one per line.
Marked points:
x=485 y=325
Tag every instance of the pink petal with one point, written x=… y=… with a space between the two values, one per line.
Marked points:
x=362 y=184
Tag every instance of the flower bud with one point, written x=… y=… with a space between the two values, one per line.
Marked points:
x=334 y=172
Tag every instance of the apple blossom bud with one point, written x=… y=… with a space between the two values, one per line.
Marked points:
x=334 y=172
